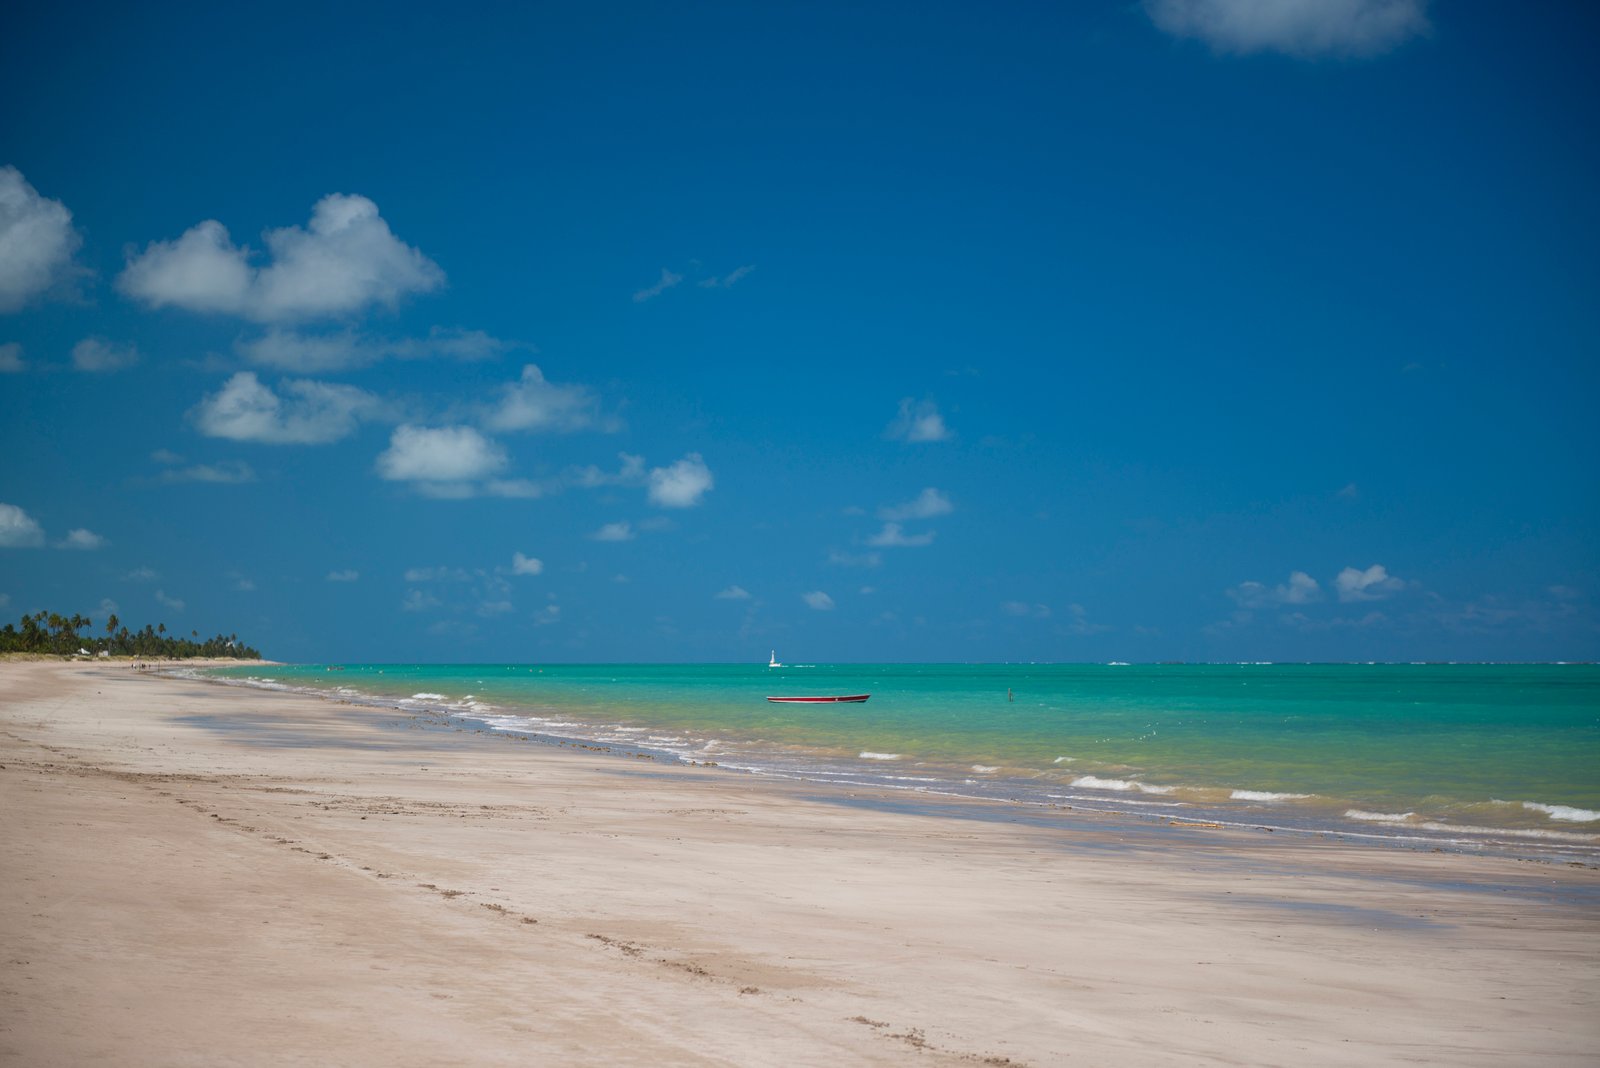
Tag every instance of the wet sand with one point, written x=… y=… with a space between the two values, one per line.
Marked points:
x=199 y=874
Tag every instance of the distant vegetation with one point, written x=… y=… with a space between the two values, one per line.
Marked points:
x=46 y=632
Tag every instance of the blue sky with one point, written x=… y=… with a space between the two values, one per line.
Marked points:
x=1190 y=329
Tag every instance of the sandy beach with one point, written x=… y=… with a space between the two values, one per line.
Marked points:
x=193 y=873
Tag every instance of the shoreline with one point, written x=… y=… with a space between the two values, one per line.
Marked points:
x=194 y=864
x=1305 y=815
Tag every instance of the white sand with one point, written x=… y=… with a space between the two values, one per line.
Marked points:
x=193 y=874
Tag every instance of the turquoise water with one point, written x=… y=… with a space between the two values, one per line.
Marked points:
x=1475 y=754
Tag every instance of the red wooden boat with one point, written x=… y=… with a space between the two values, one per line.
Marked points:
x=856 y=698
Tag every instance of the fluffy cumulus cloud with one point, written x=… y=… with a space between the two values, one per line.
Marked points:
x=733 y=593
x=96 y=354
x=305 y=413
x=450 y=454
x=925 y=505
x=1302 y=28
x=918 y=421
x=81 y=539
x=526 y=565
x=893 y=536
x=18 y=529
x=302 y=352
x=818 y=600
x=1300 y=589
x=1373 y=584
x=682 y=484
x=348 y=574
x=11 y=362
x=37 y=242
x=345 y=260
x=535 y=403
x=619 y=531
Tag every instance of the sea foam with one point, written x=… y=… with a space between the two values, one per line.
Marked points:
x=1265 y=795
x=1563 y=812
x=1378 y=817
x=880 y=756
x=1093 y=782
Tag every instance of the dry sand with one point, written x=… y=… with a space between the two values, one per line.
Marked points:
x=194 y=874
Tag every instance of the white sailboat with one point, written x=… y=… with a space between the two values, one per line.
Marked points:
x=772 y=661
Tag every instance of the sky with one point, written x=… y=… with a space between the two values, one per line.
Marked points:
x=1175 y=330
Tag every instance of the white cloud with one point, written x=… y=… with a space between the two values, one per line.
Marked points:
x=81 y=539
x=18 y=529
x=97 y=354
x=1300 y=589
x=349 y=574
x=223 y=472
x=733 y=593
x=918 y=421
x=682 y=484
x=535 y=403
x=449 y=454
x=1302 y=28
x=666 y=282
x=437 y=574
x=141 y=574
x=818 y=600
x=495 y=608
x=927 y=504
x=11 y=359
x=855 y=559
x=517 y=488
x=201 y=271
x=893 y=537
x=417 y=601
x=173 y=603
x=289 y=350
x=1022 y=609
x=619 y=531
x=631 y=473
x=729 y=279
x=308 y=413
x=344 y=261
x=37 y=242
x=306 y=353
x=446 y=491
x=1373 y=584
x=526 y=565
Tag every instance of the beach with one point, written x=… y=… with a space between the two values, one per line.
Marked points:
x=202 y=874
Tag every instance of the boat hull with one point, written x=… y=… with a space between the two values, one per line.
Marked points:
x=853 y=699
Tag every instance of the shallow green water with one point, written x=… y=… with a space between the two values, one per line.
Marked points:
x=1382 y=747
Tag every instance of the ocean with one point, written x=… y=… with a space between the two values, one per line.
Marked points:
x=1478 y=757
